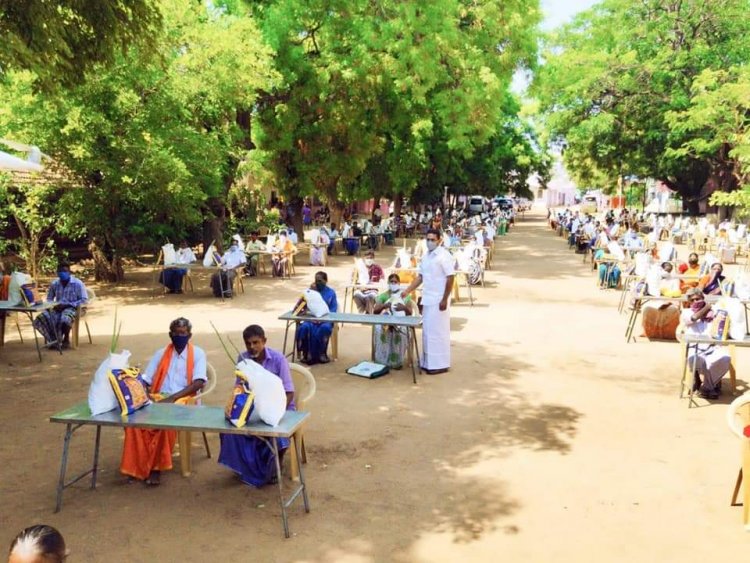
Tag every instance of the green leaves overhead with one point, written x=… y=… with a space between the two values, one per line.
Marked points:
x=614 y=80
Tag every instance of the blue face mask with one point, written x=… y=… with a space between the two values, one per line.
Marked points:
x=64 y=276
x=180 y=341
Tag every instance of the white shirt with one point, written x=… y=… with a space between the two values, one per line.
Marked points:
x=435 y=268
x=176 y=378
x=233 y=259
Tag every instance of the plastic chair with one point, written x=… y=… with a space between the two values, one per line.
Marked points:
x=185 y=438
x=81 y=314
x=304 y=391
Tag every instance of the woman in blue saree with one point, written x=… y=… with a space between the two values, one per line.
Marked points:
x=313 y=336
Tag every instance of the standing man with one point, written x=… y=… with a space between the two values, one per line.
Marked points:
x=249 y=456
x=68 y=292
x=437 y=272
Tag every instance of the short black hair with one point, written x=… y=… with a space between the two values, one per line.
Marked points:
x=253 y=331
x=322 y=274
x=62 y=266
x=435 y=232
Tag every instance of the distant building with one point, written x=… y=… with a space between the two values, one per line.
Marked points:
x=561 y=191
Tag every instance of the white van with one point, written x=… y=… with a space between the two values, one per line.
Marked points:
x=477 y=204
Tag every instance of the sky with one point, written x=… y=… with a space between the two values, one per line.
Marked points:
x=557 y=12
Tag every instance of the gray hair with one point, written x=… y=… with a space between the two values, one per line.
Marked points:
x=694 y=291
x=180 y=322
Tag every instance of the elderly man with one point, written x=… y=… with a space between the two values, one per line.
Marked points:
x=437 y=273
x=709 y=362
x=172 y=277
x=67 y=292
x=232 y=259
x=248 y=456
x=365 y=298
x=173 y=375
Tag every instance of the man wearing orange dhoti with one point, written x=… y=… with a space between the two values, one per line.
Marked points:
x=174 y=375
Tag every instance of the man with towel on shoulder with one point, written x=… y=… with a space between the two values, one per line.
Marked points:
x=174 y=375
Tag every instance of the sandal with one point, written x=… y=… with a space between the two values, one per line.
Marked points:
x=154 y=479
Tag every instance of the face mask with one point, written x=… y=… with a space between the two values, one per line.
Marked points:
x=394 y=287
x=233 y=248
x=180 y=341
x=320 y=285
x=431 y=245
x=64 y=276
x=369 y=262
x=696 y=306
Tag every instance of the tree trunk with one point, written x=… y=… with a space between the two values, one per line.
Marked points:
x=337 y=212
x=106 y=268
x=296 y=204
x=398 y=203
x=213 y=224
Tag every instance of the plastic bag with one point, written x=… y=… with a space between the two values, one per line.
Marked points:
x=208 y=257
x=170 y=255
x=270 y=397
x=316 y=306
x=241 y=403
x=102 y=397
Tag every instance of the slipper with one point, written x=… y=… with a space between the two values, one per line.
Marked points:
x=154 y=480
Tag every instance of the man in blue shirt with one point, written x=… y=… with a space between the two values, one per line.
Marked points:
x=67 y=292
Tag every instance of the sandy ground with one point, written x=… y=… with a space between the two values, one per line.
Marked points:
x=551 y=439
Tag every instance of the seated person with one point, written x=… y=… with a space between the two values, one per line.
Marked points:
x=711 y=284
x=67 y=292
x=252 y=248
x=390 y=342
x=172 y=277
x=313 y=336
x=317 y=257
x=282 y=250
x=333 y=234
x=173 y=375
x=232 y=259
x=709 y=361
x=691 y=270
x=248 y=456
x=292 y=234
x=365 y=298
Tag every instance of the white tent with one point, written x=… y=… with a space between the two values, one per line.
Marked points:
x=13 y=163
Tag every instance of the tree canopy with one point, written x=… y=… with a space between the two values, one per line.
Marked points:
x=170 y=123
x=59 y=41
x=613 y=80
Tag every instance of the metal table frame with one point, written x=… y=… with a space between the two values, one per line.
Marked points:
x=170 y=416
x=29 y=311
x=409 y=323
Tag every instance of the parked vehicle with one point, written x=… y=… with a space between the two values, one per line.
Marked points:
x=477 y=204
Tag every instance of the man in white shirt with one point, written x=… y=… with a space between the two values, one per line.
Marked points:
x=708 y=362
x=437 y=273
x=221 y=282
x=173 y=375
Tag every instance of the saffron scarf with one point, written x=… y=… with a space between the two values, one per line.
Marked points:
x=163 y=368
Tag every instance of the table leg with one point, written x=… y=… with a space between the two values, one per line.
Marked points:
x=63 y=466
x=221 y=285
x=409 y=346
x=3 y=316
x=298 y=451
x=95 y=467
x=286 y=336
x=294 y=343
x=685 y=354
x=36 y=336
x=275 y=448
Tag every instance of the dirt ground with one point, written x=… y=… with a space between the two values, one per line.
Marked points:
x=551 y=439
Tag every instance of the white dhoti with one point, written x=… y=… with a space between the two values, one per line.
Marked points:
x=711 y=365
x=436 y=337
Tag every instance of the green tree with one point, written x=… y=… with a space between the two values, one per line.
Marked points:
x=612 y=78
x=59 y=41
x=152 y=142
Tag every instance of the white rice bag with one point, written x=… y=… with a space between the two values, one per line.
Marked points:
x=101 y=396
x=270 y=397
